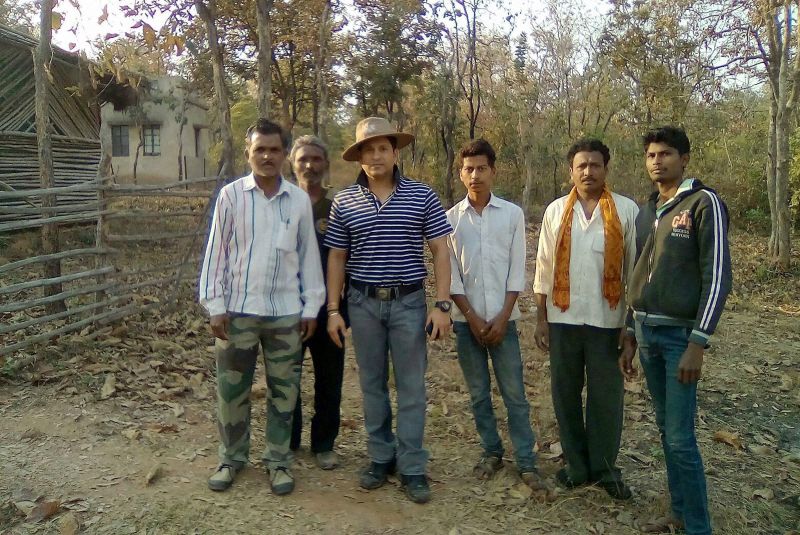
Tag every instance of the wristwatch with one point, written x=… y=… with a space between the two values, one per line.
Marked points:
x=444 y=306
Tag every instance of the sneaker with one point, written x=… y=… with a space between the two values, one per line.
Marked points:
x=417 y=488
x=616 y=489
x=327 y=460
x=223 y=477
x=487 y=466
x=534 y=480
x=281 y=481
x=375 y=475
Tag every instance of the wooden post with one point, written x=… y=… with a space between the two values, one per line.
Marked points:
x=101 y=230
x=42 y=76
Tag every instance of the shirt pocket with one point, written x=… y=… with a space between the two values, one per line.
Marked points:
x=599 y=243
x=287 y=236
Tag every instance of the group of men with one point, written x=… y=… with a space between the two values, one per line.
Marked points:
x=609 y=277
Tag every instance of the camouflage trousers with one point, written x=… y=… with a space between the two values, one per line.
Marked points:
x=236 y=362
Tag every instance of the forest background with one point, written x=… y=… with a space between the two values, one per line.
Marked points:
x=530 y=78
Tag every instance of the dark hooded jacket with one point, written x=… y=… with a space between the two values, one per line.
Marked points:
x=683 y=264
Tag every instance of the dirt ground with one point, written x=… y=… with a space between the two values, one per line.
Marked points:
x=114 y=433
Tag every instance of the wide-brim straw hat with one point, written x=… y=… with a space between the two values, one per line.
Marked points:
x=370 y=128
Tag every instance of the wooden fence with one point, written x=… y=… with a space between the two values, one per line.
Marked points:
x=125 y=249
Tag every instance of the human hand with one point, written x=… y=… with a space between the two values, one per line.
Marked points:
x=219 y=324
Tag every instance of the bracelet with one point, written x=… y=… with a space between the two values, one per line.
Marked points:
x=332 y=313
x=333 y=306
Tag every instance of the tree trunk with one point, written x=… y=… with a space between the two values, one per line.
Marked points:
x=321 y=99
x=263 y=8
x=42 y=79
x=208 y=13
x=771 y=174
x=780 y=218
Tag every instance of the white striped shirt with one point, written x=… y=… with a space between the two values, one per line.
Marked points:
x=385 y=241
x=262 y=256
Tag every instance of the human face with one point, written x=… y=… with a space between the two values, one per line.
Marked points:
x=664 y=164
x=477 y=175
x=310 y=165
x=377 y=157
x=265 y=154
x=588 y=172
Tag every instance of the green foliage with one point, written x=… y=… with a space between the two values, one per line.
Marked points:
x=243 y=114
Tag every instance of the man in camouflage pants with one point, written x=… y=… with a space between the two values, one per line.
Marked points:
x=261 y=283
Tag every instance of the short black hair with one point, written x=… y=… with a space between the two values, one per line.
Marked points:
x=266 y=127
x=477 y=147
x=674 y=136
x=589 y=144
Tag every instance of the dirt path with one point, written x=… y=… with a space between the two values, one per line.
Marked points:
x=62 y=442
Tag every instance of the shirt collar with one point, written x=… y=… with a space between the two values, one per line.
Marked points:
x=687 y=185
x=250 y=183
x=363 y=181
x=494 y=200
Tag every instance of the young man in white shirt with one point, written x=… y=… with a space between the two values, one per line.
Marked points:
x=587 y=247
x=261 y=283
x=487 y=253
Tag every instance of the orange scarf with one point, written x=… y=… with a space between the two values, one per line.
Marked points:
x=612 y=255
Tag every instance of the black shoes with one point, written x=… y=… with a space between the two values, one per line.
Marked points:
x=417 y=488
x=616 y=489
x=374 y=476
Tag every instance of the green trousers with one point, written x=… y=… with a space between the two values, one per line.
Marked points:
x=584 y=355
x=236 y=361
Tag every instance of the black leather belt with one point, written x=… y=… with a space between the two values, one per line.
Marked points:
x=385 y=293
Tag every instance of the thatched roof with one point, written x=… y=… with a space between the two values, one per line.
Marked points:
x=103 y=87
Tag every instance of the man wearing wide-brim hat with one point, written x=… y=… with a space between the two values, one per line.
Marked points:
x=376 y=234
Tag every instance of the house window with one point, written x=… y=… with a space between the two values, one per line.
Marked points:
x=198 y=141
x=152 y=140
x=120 y=145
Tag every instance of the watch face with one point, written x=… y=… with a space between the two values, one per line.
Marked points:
x=444 y=306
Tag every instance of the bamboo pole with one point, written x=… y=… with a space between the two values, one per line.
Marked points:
x=5 y=350
x=45 y=191
x=9 y=328
x=128 y=188
x=24 y=305
x=152 y=237
x=146 y=193
x=53 y=281
x=32 y=223
x=11 y=266
x=144 y=214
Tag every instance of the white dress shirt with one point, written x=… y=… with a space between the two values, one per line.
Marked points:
x=262 y=256
x=587 y=306
x=487 y=255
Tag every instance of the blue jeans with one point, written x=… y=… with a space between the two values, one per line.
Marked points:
x=507 y=364
x=396 y=328
x=660 y=350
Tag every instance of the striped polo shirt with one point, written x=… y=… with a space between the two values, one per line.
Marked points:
x=385 y=241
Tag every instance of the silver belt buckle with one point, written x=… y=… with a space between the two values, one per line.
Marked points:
x=384 y=294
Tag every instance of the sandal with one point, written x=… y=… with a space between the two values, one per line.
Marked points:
x=487 y=466
x=664 y=524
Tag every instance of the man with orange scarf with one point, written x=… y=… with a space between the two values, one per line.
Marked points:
x=587 y=246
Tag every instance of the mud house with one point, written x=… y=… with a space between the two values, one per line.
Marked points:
x=163 y=138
